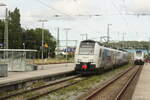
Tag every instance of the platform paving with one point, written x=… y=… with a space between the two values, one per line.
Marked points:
x=42 y=71
x=142 y=90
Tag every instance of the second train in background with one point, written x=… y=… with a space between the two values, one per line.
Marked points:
x=92 y=57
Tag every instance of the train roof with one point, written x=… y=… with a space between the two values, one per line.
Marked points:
x=88 y=41
x=104 y=45
x=93 y=42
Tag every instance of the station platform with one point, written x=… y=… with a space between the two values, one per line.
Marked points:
x=43 y=70
x=142 y=90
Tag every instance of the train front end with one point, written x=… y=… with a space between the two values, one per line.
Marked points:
x=139 y=58
x=84 y=57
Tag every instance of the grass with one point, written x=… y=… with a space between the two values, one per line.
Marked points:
x=52 y=61
x=83 y=86
x=36 y=84
x=77 y=89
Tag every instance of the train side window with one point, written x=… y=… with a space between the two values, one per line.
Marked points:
x=108 y=53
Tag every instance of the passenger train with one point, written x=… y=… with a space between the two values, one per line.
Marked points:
x=139 y=57
x=92 y=57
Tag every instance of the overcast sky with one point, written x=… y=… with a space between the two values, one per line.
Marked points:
x=120 y=13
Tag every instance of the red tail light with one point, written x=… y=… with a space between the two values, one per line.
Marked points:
x=84 y=67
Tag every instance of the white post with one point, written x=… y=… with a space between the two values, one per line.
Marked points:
x=5 y=31
x=67 y=29
x=42 y=39
x=108 y=35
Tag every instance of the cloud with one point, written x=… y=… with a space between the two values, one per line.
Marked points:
x=68 y=9
x=83 y=7
x=2 y=12
x=139 y=6
x=72 y=7
x=63 y=10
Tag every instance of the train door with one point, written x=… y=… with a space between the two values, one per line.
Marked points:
x=116 y=53
x=106 y=58
x=113 y=58
x=103 y=57
x=100 y=57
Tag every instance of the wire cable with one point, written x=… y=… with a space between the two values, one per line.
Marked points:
x=54 y=9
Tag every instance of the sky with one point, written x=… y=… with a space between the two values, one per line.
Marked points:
x=130 y=17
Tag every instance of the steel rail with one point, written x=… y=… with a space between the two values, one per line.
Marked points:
x=51 y=91
x=11 y=95
x=120 y=94
x=109 y=82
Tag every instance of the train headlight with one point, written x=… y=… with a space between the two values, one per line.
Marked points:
x=78 y=60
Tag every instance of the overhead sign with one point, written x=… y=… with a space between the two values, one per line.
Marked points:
x=46 y=45
x=69 y=50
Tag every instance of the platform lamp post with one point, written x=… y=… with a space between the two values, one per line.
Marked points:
x=42 y=45
x=149 y=47
x=86 y=35
x=67 y=29
x=108 y=31
x=5 y=30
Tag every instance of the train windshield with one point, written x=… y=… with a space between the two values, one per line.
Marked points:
x=87 y=48
x=138 y=53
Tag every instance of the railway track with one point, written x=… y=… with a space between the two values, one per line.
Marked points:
x=115 y=88
x=37 y=92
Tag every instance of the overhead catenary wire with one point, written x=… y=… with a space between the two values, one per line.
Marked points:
x=120 y=12
x=58 y=11
x=48 y=6
x=89 y=15
x=54 y=9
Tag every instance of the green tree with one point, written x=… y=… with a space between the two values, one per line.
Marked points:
x=1 y=31
x=33 y=40
x=15 y=30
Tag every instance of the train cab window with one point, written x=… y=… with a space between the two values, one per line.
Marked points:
x=87 y=48
x=138 y=53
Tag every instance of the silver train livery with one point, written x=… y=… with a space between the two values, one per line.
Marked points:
x=138 y=57
x=92 y=57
